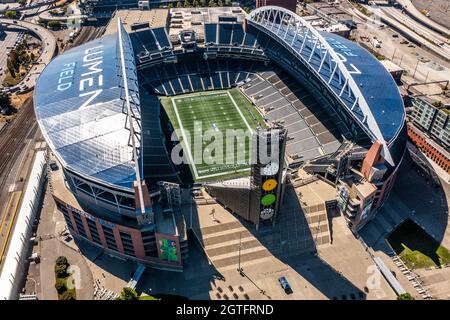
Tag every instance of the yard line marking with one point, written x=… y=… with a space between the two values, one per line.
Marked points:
x=239 y=110
x=188 y=149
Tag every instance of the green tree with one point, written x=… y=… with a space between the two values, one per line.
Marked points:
x=60 y=285
x=179 y=4
x=170 y=6
x=405 y=296
x=11 y=68
x=67 y=295
x=128 y=294
x=60 y=271
x=187 y=4
x=15 y=59
x=220 y=3
x=228 y=3
x=211 y=3
x=5 y=100
x=62 y=261
x=54 y=24
x=11 y=14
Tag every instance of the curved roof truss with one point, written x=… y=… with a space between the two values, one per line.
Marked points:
x=297 y=35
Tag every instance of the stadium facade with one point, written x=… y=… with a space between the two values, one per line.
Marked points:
x=98 y=107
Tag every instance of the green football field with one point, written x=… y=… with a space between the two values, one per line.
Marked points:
x=207 y=115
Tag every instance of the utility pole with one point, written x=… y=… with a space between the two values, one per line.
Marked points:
x=239 y=269
x=414 y=74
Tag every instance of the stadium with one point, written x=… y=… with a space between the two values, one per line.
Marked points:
x=115 y=110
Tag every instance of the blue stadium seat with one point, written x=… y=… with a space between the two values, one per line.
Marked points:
x=176 y=86
x=185 y=83
x=161 y=37
x=225 y=30
x=238 y=34
x=211 y=32
x=216 y=81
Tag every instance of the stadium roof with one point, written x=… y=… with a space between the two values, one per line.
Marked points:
x=80 y=106
x=359 y=81
x=375 y=83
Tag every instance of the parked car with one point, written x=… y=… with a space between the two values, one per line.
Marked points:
x=285 y=285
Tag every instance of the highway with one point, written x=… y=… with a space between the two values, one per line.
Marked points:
x=48 y=49
x=442 y=52
x=412 y=10
x=418 y=28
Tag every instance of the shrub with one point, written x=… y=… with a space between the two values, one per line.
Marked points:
x=405 y=296
x=11 y=14
x=60 y=286
x=67 y=295
x=128 y=294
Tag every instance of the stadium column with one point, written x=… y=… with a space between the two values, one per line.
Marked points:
x=86 y=227
x=101 y=233
x=144 y=217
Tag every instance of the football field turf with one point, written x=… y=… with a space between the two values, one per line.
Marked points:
x=212 y=114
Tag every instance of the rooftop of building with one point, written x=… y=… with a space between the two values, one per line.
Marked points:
x=315 y=191
x=195 y=18
x=391 y=66
x=156 y=18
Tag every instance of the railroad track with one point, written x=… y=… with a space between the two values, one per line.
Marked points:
x=13 y=138
x=15 y=134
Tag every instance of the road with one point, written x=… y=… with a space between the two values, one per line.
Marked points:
x=8 y=41
x=410 y=29
x=412 y=10
x=17 y=143
x=48 y=49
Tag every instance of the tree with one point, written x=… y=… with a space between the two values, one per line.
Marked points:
x=202 y=3
x=228 y=3
x=14 y=58
x=67 y=295
x=61 y=265
x=11 y=14
x=61 y=260
x=211 y=3
x=179 y=4
x=187 y=4
x=170 y=6
x=5 y=100
x=405 y=296
x=60 y=271
x=220 y=3
x=54 y=24
x=128 y=294
x=11 y=68
x=60 y=285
